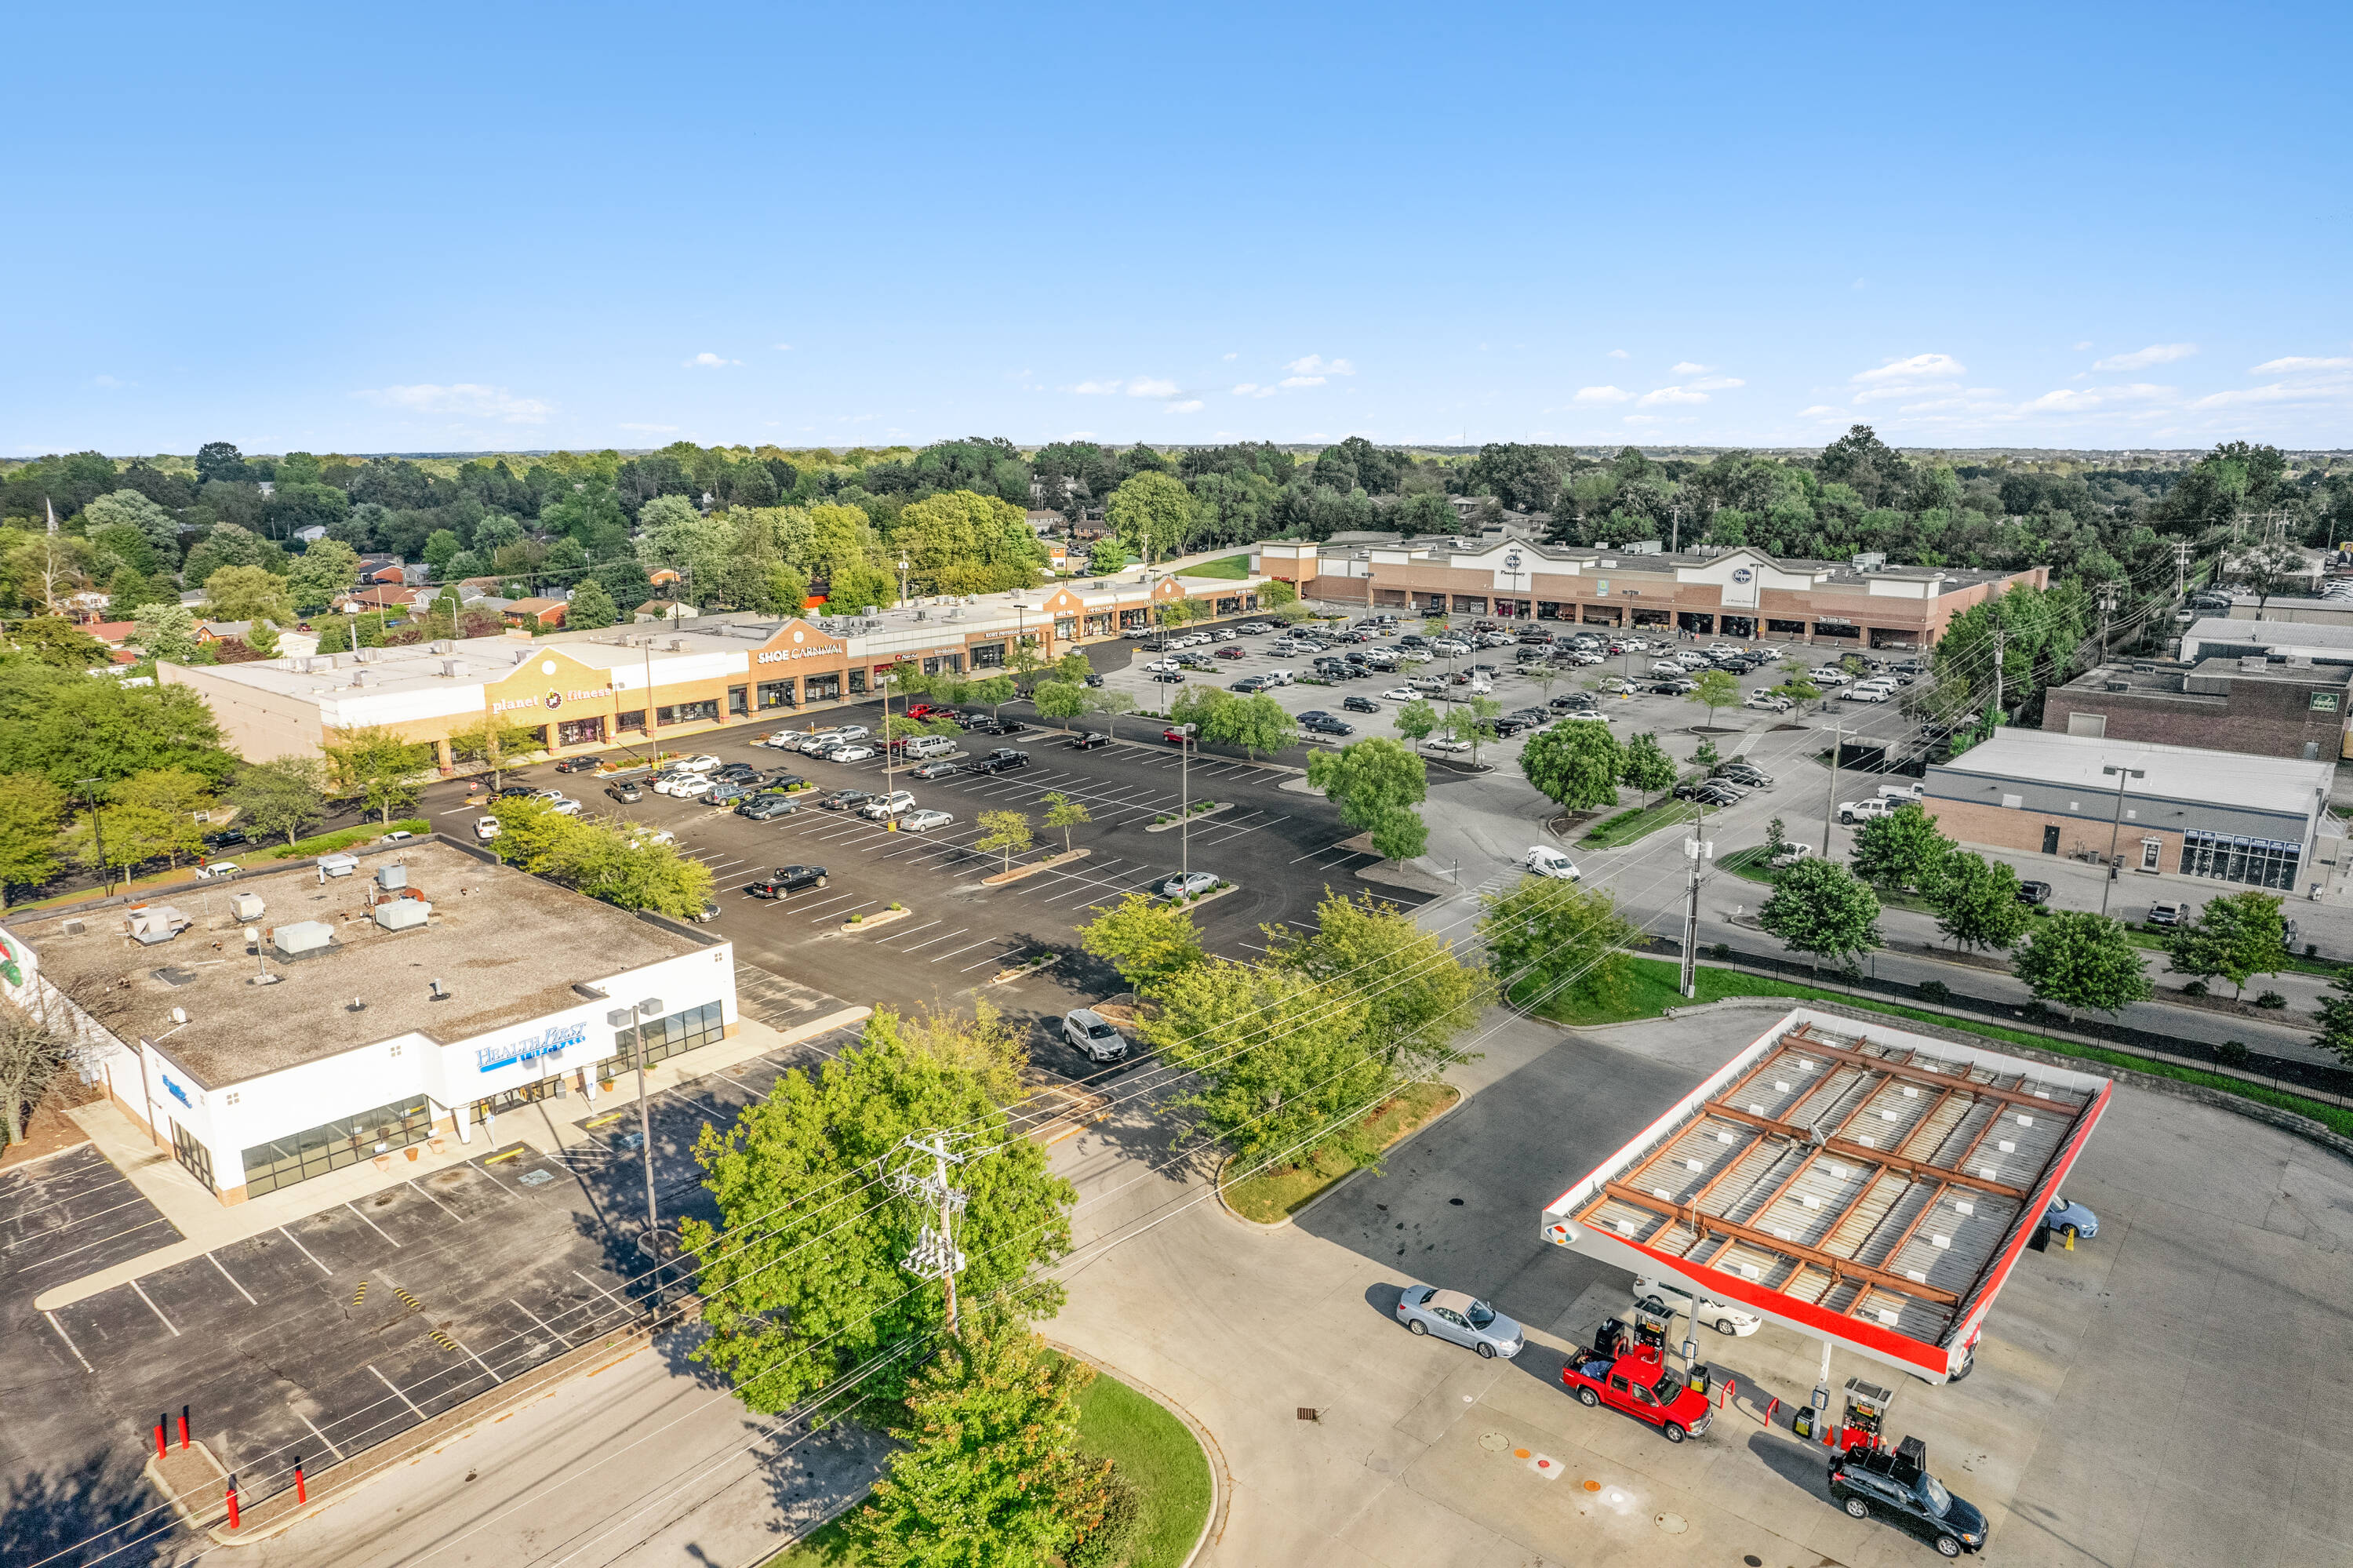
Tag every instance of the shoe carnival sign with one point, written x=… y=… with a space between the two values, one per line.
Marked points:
x=797 y=641
x=547 y=1041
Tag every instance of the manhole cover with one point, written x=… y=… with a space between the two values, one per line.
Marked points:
x=1673 y=1523
x=1494 y=1442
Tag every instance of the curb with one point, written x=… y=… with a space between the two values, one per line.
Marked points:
x=1004 y=878
x=1221 y=1484
x=1333 y=1190
x=1170 y=827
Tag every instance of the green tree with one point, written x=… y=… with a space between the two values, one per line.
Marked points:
x=441 y=546
x=496 y=741
x=995 y=690
x=1111 y=705
x=1474 y=723
x=605 y=860
x=1199 y=705
x=1798 y=689
x=247 y=593
x=32 y=1054
x=1145 y=939
x=1575 y=765
x=1417 y=720
x=1647 y=766
x=1418 y=995
x=286 y=795
x=1108 y=556
x=2237 y=936
x=2082 y=960
x=1976 y=901
x=1548 y=940
x=591 y=608
x=1285 y=1065
x=1256 y=722
x=377 y=768
x=1065 y=813
x=1817 y=906
x=1377 y=784
x=988 y=1472
x=57 y=642
x=1713 y=689
x=1705 y=755
x=167 y=632
x=1059 y=700
x=1152 y=513
x=2335 y=1015
x=327 y=568
x=262 y=637
x=1899 y=850
x=31 y=812
x=127 y=508
x=68 y=727
x=802 y=1278
x=1006 y=830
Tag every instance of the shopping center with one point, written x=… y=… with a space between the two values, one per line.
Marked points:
x=298 y=1021
x=587 y=690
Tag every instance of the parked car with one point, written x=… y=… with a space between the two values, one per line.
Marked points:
x=1448 y=746
x=1175 y=736
x=1453 y=1315
x=844 y=800
x=213 y=870
x=1360 y=704
x=2173 y=914
x=850 y=751
x=1399 y=694
x=1790 y=856
x=1640 y=1384
x=766 y=807
x=626 y=792
x=934 y=770
x=1657 y=1296
x=225 y=838
x=1189 y=885
x=2070 y=1219
x=1897 y=1485
x=1003 y=759
x=687 y=789
x=1089 y=740
x=782 y=778
x=1545 y=861
x=1092 y=1035
x=923 y=821
x=1865 y=811
x=786 y=879
x=882 y=808
x=1170 y=678
x=2034 y=893
x=1324 y=724
x=1768 y=701
x=486 y=829
x=1233 y=652
x=577 y=764
x=1747 y=773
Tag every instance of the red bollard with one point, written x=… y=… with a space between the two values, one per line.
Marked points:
x=159 y=1450
x=232 y=1505
x=300 y=1496
x=183 y=1426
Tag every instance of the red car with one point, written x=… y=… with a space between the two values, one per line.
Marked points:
x=1233 y=652
x=1641 y=1386
x=923 y=710
x=1176 y=737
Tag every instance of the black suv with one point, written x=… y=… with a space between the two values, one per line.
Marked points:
x=226 y=838
x=1898 y=1487
x=1747 y=773
x=736 y=773
x=787 y=879
x=1003 y=759
x=1360 y=704
x=577 y=764
x=1324 y=724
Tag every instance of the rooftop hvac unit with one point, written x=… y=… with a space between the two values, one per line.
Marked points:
x=956 y=615
x=153 y=923
x=402 y=914
x=521 y=654
x=677 y=644
x=445 y=646
x=2119 y=687
x=361 y=677
x=454 y=668
x=393 y=877
x=1870 y=561
x=338 y=865
x=874 y=609
x=245 y=906
x=922 y=614
x=302 y=939
x=1643 y=548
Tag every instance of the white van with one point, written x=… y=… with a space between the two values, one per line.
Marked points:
x=918 y=747
x=1544 y=861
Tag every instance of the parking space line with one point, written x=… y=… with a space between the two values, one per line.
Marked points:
x=157 y=1311
x=904 y=935
x=951 y=937
x=998 y=959
x=600 y=1290
x=969 y=947
x=535 y=1318
x=372 y=1225
x=396 y=1389
x=787 y=903
x=306 y=1251
x=478 y=1360
x=321 y=1436
x=102 y=1241
x=241 y=1291
x=436 y=1203
x=60 y=1328
x=841 y=913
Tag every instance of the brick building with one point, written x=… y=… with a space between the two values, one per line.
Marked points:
x=2214 y=815
x=1738 y=593
x=2248 y=705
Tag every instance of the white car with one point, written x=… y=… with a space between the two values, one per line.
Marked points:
x=221 y=868
x=816 y=745
x=1831 y=676
x=1447 y=744
x=855 y=751
x=1159 y=665
x=486 y=829
x=1766 y=700
x=696 y=763
x=1399 y=694
x=688 y=788
x=923 y=821
x=1589 y=717
x=564 y=806
x=1092 y=1035
x=639 y=838
x=1669 y=1299
x=1547 y=861
x=1865 y=810
x=1790 y=856
x=883 y=807
x=1667 y=668
x=1869 y=692
x=1187 y=885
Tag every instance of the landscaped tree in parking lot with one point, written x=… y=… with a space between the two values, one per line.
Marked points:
x=1065 y=813
x=1976 y=900
x=1256 y=722
x=1576 y=763
x=1146 y=939
x=1551 y=941
x=1417 y=720
x=285 y=796
x=1713 y=689
x=1901 y=850
x=495 y=741
x=1647 y=766
x=1199 y=706
x=1377 y=784
x=1006 y=830
x=1059 y=700
x=2237 y=936
x=379 y=767
x=1817 y=906
x=995 y=690
x=1418 y=997
x=1474 y=723
x=1111 y=705
x=2082 y=960
x=1286 y=1065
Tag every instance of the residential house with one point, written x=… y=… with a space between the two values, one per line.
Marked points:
x=546 y=613
x=222 y=631
x=661 y=610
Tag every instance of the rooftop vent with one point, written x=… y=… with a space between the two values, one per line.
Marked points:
x=1870 y=561
x=338 y=865
x=521 y=654
x=2118 y=687
x=922 y=614
x=302 y=939
x=153 y=923
x=677 y=644
x=392 y=878
x=874 y=609
x=171 y=976
x=445 y=646
x=402 y=914
x=245 y=907
x=454 y=668
x=361 y=677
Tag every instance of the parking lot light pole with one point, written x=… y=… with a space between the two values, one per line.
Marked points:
x=2115 y=824
x=1185 y=801
x=633 y=1020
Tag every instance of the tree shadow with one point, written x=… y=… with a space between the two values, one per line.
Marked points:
x=101 y=1510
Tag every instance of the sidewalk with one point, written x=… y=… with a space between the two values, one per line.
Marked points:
x=204 y=1222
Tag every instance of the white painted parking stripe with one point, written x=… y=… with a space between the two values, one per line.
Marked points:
x=306 y=1251
x=60 y=1328
x=969 y=947
x=241 y=1291
x=600 y=1290
x=438 y=1202
x=951 y=937
x=787 y=903
x=844 y=914
x=372 y=1225
x=478 y=1360
x=396 y=1389
x=984 y=962
x=901 y=935
x=534 y=1318
x=157 y=1311
x=321 y=1436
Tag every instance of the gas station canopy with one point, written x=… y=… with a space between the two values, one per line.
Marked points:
x=1869 y=1187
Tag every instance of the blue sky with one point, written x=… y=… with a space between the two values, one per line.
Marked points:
x=443 y=228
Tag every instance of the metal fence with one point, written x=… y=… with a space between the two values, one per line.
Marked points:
x=2319 y=1079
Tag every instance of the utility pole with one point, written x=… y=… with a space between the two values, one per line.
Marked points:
x=634 y=1020
x=1695 y=850
x=2180 y=568
x=1830 y=801
x=2116 y=825
x=934 y=1256
x=2107 y=609
x=98 y=831
x=1185 y=801
x=2000 y=635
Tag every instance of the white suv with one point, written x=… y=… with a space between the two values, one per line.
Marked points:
x=1092 y=1035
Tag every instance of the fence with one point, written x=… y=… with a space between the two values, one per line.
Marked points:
x=2319 y=1079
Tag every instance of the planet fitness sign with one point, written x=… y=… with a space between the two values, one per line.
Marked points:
x=555 y=1037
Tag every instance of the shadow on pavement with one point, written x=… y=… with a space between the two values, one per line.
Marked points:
x=98 y=1510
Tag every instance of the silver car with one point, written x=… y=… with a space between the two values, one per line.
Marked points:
x=1451 y=1315
x=1092 y=1034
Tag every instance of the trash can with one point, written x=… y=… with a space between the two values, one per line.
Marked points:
x=1802 y=1423
x=1700 y=1379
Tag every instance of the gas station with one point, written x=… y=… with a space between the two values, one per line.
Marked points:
x=1867 y=1188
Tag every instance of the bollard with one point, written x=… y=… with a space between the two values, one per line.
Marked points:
x=1773 y=1405
x=1725 y=1397
x=300 y=1496
x=161 y=1451
x=232 y=1504
x=183 y=1426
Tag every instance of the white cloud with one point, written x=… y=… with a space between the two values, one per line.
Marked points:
x=2140 y=358
x=1232 y=356
x=109 y=381
x=1688 y=368
x=1600 y=394
x=1641 y=419
x=1297 y=381
x=2081 y=346
x=1097 y=388
x=1919 y=366
x=2288 y=366
x=1189 y=406
x=1821 y=411
x=1253 y=389
x=1669 y=395
x=651 y=429
x=1717 y=383
x=1315 y=364
x=465 y=398
x=708 y=360
x=1619 y=354
x=1151 y=387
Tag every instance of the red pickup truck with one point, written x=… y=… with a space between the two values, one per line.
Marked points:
x=1641 y=1386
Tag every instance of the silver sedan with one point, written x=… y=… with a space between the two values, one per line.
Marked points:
x=1451 y=1315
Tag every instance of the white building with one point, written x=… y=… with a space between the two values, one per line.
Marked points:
x=411 y=992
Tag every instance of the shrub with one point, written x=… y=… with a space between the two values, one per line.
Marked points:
x=2195 y=988
x=2232 y=1053
x=1935 y=991
x=2271 y=999
x=857 y=919
x=896 y=905
x=1722 y=952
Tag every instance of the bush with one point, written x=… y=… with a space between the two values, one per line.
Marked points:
x=1123 y=1513
x=1935 y=991
x=1721 y=952
x=896 y=905
x=2195 y=988
x=2232 y=1053
x=2271 y=999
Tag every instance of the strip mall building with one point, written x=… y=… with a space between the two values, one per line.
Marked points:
x=1739 y=593
x=587 y=690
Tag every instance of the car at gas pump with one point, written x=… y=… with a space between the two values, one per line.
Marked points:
x=1894 y=1485
x=1630 y=1373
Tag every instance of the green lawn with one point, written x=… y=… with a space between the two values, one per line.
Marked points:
x=1153 y=1449
x=1653 y=989
x=1235 y=566
x=1750 y=865
x=1616 y=833
x=343 y=838
x=1283 y=1190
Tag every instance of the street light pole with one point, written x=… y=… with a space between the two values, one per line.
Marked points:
x=2115 y=824
x=97 y=830
x=902 y=584
x=1830 y=801
x=633 y=1020
x=1185 y=801
x=1695 y=850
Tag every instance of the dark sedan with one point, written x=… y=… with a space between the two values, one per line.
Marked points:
x=1360 y=704
x=767 y=807
x=1324 y=724
x=844 y=800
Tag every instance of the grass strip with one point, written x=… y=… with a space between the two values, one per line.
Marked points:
x=1615 y=832
x=1280 y=1191
x=1234 y=567
x=343 y=838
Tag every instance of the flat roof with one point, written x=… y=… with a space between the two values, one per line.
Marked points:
x=2285 y=784
x=2270 y=633
x=1871 y=1185
x=506 y=945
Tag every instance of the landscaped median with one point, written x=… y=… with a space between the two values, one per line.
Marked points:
x=1031 y=868
x=1200 y=809
x=1271 y=1195
x=1616 y=833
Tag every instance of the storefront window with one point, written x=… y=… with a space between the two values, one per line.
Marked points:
x=580 y=732
x=331 y=1146
x=1230 y=605
x=950 y=662
x=193 y=1155
x=679 y=1033
x=775 y=694
x=858 y=683
x=2229 y=857
x=822 y=688
x=1067 y=628
x=739 y=701
x=1134 y=620
x=1099 y=625
x=636 y=721
x=1470 y=604
x=989 y=655
x=688 y=712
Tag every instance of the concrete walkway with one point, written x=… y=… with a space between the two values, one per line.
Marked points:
x=205 y=1224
